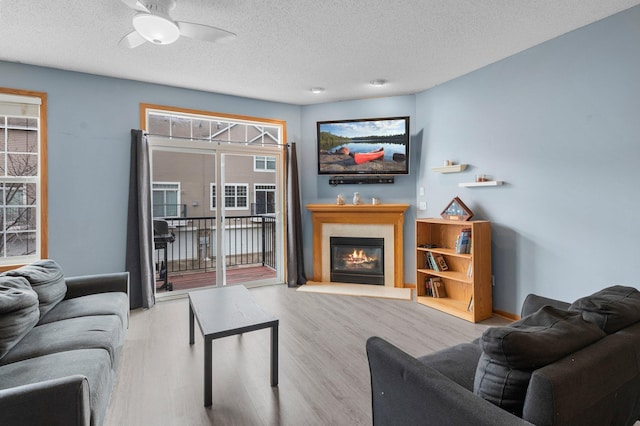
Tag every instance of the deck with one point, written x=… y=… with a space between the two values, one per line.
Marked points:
x=235 y=275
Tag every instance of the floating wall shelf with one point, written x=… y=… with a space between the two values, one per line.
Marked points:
x=486 y=183
x=450 y=169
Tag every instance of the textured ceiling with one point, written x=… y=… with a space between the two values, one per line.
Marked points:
x=286 y=47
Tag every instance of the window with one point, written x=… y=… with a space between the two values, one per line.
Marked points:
x=236 y=196
x=265 y=199
x=262 y=163
x=23 y=182
x=166 y=199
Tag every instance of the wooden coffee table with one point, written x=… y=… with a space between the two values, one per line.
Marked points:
x=225 y=311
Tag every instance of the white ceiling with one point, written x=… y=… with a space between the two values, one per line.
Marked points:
x=286 y=47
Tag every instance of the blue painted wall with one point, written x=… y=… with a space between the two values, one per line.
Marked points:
x=558 y=122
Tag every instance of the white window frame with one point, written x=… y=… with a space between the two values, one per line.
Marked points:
x=236 y=186
x=212 y=196
x=22 y=104
x=271 y=188
x=267 y=160
x=177 y=190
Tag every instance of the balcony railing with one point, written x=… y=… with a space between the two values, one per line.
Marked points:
x=248 y=240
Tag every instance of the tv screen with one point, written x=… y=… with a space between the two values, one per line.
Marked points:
x=374 y=146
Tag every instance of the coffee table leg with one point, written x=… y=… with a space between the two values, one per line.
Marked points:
x=208 y=371
x=274 y=355
x=191 y=331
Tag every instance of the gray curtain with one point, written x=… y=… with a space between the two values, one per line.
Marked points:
x=295 y=258
x=139 y=256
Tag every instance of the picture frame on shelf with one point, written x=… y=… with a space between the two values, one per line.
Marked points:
x=456 y=210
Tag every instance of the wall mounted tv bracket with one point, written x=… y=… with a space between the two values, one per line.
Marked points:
x=346 y=180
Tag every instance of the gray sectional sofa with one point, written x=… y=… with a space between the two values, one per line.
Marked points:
x=560 y=364
x=60 y=344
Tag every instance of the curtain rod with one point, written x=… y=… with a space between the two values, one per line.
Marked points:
x=219 y=141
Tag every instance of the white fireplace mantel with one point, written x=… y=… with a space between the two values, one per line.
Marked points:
x=391 y=216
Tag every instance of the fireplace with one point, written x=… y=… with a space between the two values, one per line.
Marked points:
x=358 y=260
x=373 y=220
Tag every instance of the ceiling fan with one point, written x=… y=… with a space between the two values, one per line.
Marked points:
x=153 y=23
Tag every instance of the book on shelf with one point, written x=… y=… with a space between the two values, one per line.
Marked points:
x=463 y=242
x=433 y=262
x=441 y=263
x=428 y=264
x=427 y=287
x=439 y=288
x=470 y=270
x=470 y=305
x=434 y=287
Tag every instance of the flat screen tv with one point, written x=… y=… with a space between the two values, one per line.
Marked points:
x=372 y=146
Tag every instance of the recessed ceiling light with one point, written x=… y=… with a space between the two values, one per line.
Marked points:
x=317 y=90
x=378 y=82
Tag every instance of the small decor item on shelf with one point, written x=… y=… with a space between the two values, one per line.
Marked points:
x=456 y=210
x=482 y=178
x=340 y=200
x=375 y=201
x=356 y=199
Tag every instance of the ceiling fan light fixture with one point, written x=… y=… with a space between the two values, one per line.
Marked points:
x=156 y=29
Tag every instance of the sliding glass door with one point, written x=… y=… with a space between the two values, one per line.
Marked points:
x=222 y=200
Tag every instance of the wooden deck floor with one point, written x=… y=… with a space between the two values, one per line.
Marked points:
x=236 y=275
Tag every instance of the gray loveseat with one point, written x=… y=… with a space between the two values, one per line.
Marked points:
x=560 y=364
x=60 y=343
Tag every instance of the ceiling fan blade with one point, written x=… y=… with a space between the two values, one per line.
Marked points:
x=204 y=32
x=136 y=5
x=131 y=40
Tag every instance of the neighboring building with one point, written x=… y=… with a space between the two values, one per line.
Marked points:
x=184 y=185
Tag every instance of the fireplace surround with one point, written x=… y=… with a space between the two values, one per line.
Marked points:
x=380 y=221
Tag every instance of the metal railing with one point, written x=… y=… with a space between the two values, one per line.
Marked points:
x=248 y=240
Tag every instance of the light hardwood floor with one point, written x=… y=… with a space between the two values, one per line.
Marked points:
x=324 y=374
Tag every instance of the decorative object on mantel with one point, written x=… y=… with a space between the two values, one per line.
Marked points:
x=356 y=199
x=340 y=200
x=456 y=210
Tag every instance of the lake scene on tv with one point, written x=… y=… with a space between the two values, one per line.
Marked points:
x=376 y=146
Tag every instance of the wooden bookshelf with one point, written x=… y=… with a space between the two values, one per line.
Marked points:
x=469 y=275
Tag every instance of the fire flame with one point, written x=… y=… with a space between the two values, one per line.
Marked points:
x=359 y=256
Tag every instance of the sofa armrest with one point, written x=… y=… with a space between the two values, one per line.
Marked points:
x=63 y=401
x=100 y=283
x=406 y=392
x=533 y=303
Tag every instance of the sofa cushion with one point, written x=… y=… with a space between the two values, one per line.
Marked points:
x=458 y=363
x=18 y=311
x=612 y=308
x=95 y=332
x=113 y=303
x=92 y=363
x=47 y=279
x=511 y=353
